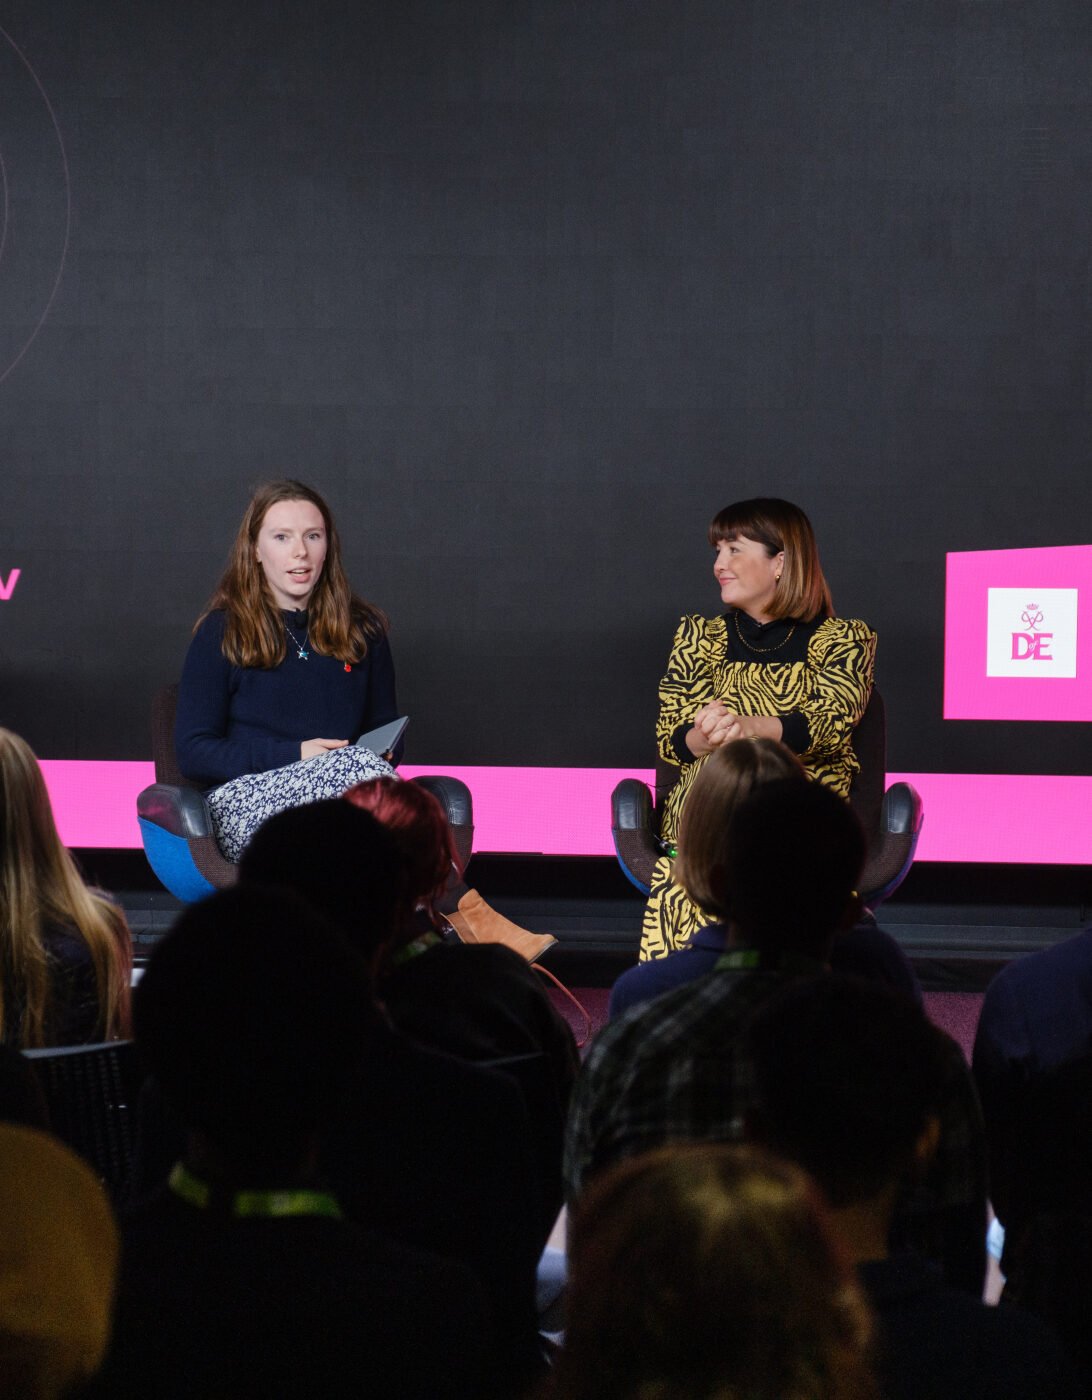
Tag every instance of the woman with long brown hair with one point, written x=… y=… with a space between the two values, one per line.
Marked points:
x=286 y=669
x=65 y=953
x=776 y=664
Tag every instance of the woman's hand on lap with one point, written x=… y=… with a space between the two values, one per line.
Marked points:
x=311 y=748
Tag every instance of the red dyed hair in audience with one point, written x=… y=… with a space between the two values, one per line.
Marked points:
x=418 y=823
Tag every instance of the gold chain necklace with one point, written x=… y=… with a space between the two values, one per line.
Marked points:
x=761 y=650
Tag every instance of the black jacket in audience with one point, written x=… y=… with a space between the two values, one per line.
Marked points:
x=484 y=1002
x=937 y=1343
x=211 y=1306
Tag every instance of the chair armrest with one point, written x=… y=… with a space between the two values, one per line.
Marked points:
x=454 y=797
x=892 y=847
x=901 y=813
x=631 y=806
x=452 y=794
x=179 y=811
x=633 y=828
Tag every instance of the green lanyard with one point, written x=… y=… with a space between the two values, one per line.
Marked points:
x=736 y=960
x=276 y=1205
x=420 y=945
x=748 y=959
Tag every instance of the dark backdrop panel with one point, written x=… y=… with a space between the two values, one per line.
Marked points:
x=530 y=290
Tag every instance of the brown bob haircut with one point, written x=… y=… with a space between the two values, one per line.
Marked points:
x=727 y=778
x=339 y=623
x=802 y=591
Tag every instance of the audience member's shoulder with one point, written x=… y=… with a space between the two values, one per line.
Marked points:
x=397 y=1065
x=649 y=980
x=868 y=951
x=645 y=1029
x=940 y=1341
x=470 y=960
x=1061 y=961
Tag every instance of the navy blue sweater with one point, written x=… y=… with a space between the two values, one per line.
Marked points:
x=233 y=720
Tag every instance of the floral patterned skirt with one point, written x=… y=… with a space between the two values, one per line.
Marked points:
x=238 y=808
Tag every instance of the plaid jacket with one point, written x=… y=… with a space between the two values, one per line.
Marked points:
x=665 y=1071
x=671 y=1070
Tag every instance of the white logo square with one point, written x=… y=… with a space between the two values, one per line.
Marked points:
x=1032 y=632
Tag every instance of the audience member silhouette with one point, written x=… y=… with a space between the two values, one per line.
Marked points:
x=849 y=1082
x=65 y=952
x=700 y=1272
x=241 y=1277
x=727 y=778
x=432 y=1150
x=58 y=1263
x=668 y=1070
x=480 y=1002
x=1033 y=1066
x=1036 y=1018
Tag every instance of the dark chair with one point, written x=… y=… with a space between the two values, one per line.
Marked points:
x=891 y=819
x=91 y=1093
x=177 y=833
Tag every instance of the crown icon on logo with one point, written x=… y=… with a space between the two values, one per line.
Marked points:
x=1032 y=616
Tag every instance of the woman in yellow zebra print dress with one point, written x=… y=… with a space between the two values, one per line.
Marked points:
x=777 y=664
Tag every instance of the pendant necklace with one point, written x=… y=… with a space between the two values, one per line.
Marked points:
x=301 y=647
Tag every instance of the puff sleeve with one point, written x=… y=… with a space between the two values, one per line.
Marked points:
x=841 y=662
x=689 y=682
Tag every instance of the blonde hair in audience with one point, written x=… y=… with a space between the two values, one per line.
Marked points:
x=40 y=886
x=728 y=777
x=709 y=1272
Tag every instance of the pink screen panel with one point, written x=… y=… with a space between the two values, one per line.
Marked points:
x=1002 y=818
x=1018 y=634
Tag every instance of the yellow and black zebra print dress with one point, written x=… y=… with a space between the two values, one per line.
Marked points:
x=816 y=676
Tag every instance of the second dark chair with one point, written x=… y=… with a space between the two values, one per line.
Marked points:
x=891 y=817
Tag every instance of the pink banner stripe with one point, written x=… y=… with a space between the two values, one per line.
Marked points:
x=1004 y=818
x=95 y=802
x=995 y=818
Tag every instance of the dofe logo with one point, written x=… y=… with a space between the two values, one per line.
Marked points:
x=1032 y=645
x=1031 y=633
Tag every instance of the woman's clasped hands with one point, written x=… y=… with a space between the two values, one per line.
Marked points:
x=716 y=725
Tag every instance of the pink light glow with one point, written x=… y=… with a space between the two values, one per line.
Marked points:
x=1004 y=818
x=95 y=803
x=549 y=811
x=997 y=818
x=969 y=692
